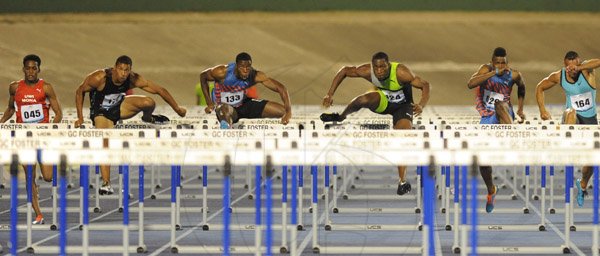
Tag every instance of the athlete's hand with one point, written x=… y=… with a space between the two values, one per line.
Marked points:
x=209 y=108
x=500 y=72
x=181 y=111
x=286 y=118
x=78 y=122
x=417 y=109
x=521 y=115
x=572 y=68
x=545 y=115
x=327 y=101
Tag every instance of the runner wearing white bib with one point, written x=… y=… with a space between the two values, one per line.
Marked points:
x=493 y=83
x=578 y=81
x=392 y=96
x=231 y=82
x=31 y=98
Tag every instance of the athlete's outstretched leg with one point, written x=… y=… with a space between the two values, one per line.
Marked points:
x=134 y=104
x=273 y=110
x=368 y=100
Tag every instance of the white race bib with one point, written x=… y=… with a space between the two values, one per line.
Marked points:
x=32 y=113
x=490 y=98
x=395 y=97
x=582 y=102
x=232 y=98
x=111 y=100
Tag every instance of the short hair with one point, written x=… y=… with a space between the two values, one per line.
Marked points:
x=124 y=59
x=499 y=52
x=243 y=56
x=32 y=57
x=379 y=56
x=571 y=55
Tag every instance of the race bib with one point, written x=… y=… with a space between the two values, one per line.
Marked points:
x=490 y=98
x=582 y=102
x=232 y=98
x=112 y=100
x=32 y=113
x=395 y=97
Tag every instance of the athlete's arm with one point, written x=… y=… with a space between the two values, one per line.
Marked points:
x=151 y=87
x=363 y=71
x=91 y=82
x=518 y=78
x=10 y=109
x=482 y=75
x=211 y=74
x=51 y=96
x=545 y=84
x=277 y=87
x=406 y=76
x=589 y=65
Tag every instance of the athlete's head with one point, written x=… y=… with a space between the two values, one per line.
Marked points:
x=499 y=60
x=122 y=68
x=571 y=60
x=243 y=65
x=31 y=68
x=381 y=65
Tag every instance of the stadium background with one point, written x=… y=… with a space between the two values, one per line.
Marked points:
x=299 y=42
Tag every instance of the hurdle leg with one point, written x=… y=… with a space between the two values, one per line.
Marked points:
x=84 y=172
x=419 y=193
x=514 y=192
x=174 y=248
x=439 y=185
x=535 y=195
x=300 y=225
x=455 y=244
x=2 y=186
x=54 y=225
x=284 y=173
x=258 y=212
x=568 y=179
x=152 y=183
x=204 y=198
x=269 y=208
x=178 y=199
x=141 y=246
x=248 y=185
x=334 y=189
x=447 y=201
x=345 y=178
x=63 y=208
x=315 y=200
x=428 y=244
x=474 y=219
x=14 y=204
x=158 y=178
x=527 y=187
x=551 y=208
x=29 y=205
x=120 y=192
x=70 y=174
x=293 y=213
x=326 y=198
x=463 y=203
x=543 y=203
x=126 y=210
x=97 y=208
x=595 y=251
x=227 y=205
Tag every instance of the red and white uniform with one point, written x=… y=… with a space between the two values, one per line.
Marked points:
x=31 y=103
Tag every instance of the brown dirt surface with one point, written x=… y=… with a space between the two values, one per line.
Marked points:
x=301 y=50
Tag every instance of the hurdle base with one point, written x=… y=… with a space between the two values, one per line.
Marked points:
x=142 y=249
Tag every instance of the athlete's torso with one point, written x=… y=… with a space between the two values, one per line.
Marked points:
x=112 y=95
x=496 y=88
x=395 y=91
x=31 y=103
x=579 y=95
x=231 y=90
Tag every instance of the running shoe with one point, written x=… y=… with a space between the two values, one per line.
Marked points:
x=331 y=117
x=581 y=193
x=224 y=124
x=106 y=189
x=39 y=220
x=403 y=188
x=156 y=119
x=491 y=199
